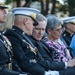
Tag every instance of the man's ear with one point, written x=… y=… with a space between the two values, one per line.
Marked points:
x=25 y=21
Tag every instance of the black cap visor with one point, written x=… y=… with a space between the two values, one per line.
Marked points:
x=35 y=22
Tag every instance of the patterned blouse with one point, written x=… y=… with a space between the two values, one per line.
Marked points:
x=61 y=53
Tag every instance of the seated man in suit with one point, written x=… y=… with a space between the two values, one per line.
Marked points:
x=64 y=68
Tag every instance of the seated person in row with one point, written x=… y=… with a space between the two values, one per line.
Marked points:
x=5 y=49
x=69 y=24
x=54 y=30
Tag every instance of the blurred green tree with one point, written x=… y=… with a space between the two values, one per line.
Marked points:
x=8 y=1
x=71 y=6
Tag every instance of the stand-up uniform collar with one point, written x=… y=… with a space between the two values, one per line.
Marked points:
x=67 y=33
x=18 y=29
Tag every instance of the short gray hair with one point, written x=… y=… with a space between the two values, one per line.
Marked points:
x=52 y=22
x=40 y=17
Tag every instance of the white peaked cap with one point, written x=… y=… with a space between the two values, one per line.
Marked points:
x=31 y=12
x=69 y=19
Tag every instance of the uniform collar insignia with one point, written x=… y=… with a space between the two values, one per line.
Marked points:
x=64 y=35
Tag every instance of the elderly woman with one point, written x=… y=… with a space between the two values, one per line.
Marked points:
x=54 y=30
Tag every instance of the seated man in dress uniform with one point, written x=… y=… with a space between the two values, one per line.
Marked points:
x=5 y=50
x=69 y=24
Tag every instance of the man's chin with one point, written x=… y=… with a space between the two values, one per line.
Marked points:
x=38 y=39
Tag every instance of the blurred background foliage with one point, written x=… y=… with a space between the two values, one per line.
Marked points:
x=8 y=1
x=66 y=7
